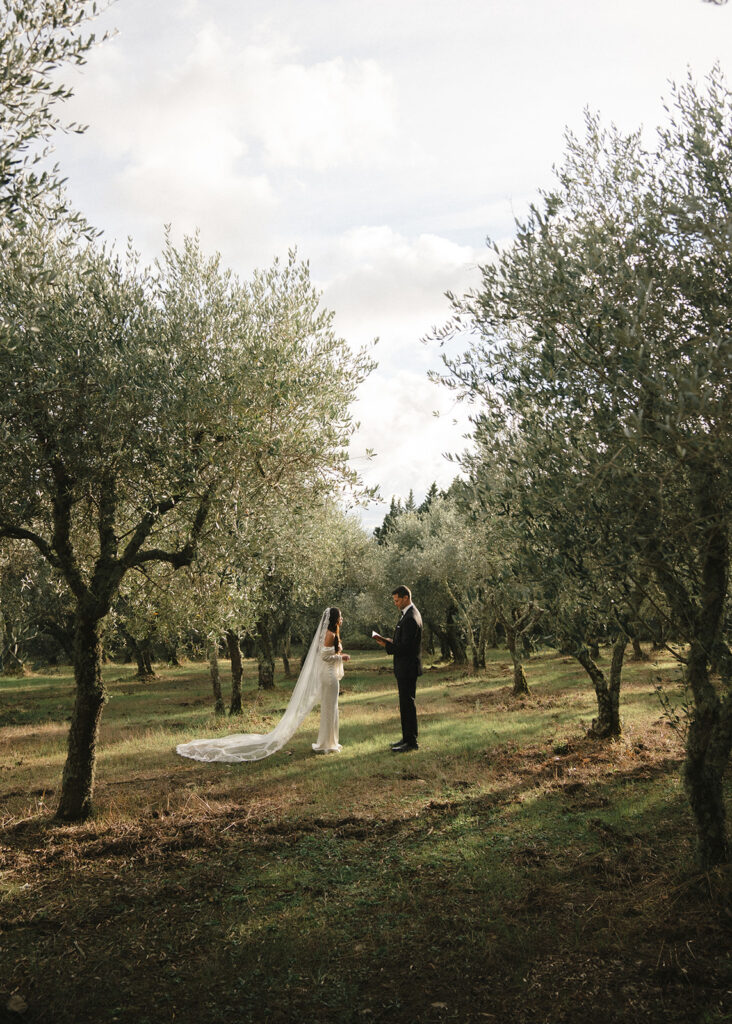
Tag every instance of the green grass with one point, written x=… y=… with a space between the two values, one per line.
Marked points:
x=510 y=870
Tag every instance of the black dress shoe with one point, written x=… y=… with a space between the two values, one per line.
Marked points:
x=403 y=748
x=399 y=743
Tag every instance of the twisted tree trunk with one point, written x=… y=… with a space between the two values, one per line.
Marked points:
x=213 y=667
x=147 y=660
x=435 y=631
x=607 y=723
x=520 y=682
x=141 y=653
x=140 y=674
x=708 y=745
x=77 y=784
x=700 y=617
x=638 y=653
x=455 y=641
x=171 y=653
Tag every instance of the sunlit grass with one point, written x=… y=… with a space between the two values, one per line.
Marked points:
x=322 y=887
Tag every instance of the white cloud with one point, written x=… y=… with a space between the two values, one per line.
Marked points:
x=222 y=103
x=235 y=212
x=212 y=139
x=385 y=142
x=320 y=116
x=398 y=422
x=393 y=286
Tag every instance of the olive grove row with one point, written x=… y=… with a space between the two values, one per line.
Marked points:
x=175 y=440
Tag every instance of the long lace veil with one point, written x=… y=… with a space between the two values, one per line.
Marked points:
x=252 y=746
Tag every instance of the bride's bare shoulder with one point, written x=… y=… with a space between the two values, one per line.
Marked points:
x=329 y=638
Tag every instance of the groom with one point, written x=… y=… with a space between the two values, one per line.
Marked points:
x=407 y=650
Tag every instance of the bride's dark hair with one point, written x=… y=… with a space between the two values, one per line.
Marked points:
x=333 y=618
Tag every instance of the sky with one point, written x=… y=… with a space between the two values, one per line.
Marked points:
x=385 y=141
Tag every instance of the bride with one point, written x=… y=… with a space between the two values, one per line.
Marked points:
x=319 y=680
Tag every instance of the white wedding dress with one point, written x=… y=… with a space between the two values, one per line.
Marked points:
x=318 y=681
x=331 y=673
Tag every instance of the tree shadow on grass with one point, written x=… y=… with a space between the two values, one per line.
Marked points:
x=491 y=889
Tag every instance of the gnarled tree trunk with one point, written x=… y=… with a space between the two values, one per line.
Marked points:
x=487 y=624
x=141 y=653
x=171 y=653
x=137 y=651
x=147 y=660
x=232 y=642
x=636 y=604
x=607 y=723
x=455 y=640
x=707 y=753
x=520 y=682
x=638 y=653
x=213 y=667
x=77 y=784
x=700 y=616
x=441 y=636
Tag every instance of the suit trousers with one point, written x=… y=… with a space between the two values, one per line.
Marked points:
x=407 y=685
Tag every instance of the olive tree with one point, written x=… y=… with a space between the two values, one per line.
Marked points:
x=134 y=404
x=423 y=549
x=603 y=338
x=313 y=559
x=556 y=548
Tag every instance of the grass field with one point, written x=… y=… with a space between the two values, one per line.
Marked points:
x=511 y=870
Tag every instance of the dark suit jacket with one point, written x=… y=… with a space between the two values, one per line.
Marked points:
x=407 y=644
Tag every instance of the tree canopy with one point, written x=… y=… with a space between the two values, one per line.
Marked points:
x=601 y=356
x=37 y=38
x=140 y=408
